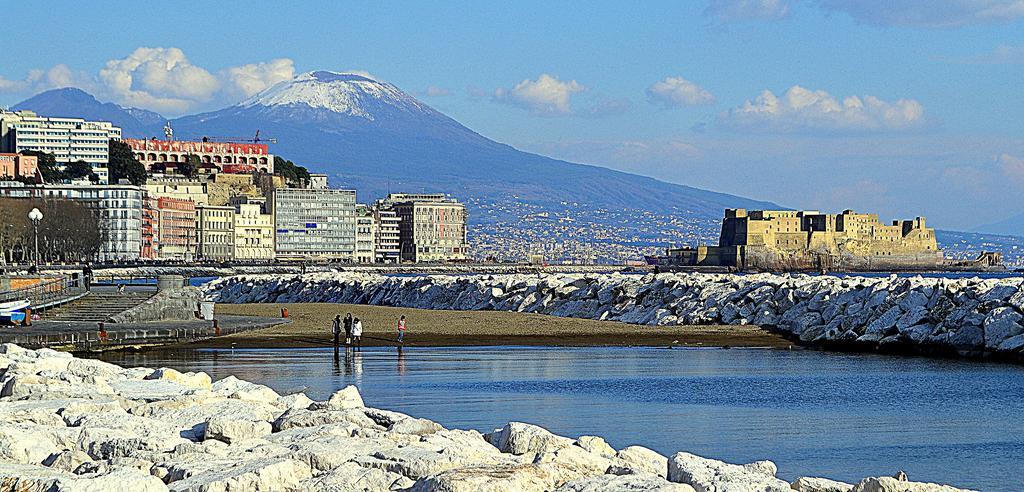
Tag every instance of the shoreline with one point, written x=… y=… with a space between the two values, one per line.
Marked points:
x=310 y=326
x=76 y=424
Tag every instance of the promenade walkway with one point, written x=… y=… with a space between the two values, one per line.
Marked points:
x=88 y=336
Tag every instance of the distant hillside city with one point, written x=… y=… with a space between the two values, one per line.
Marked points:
x=229 y=199
x=206 y=200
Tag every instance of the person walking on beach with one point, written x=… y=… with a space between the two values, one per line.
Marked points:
x=401 y=329
x=336 y=330
x=357 y=334
x=348 y=328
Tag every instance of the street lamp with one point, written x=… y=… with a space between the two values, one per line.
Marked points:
x=35 y=216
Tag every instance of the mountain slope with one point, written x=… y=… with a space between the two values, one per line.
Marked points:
x=76 y=103
x=371 y=136
x=1013 y=226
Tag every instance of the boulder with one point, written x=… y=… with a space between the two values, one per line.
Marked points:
x=890 y=484
x=624 y=483
x=707 y=475
x=343 y=399
x=638 y=459
x=237 y=474
x=197 y=380
x=350 y=477
x=499 y=478
x=596 y=445
x=815 y=484
x=231 y=429
x=232 y=387
x=519 y=438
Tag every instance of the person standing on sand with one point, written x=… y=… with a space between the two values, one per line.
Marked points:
x=401 y=329
x=348 y=328
x=357 y=333
x=336 y=330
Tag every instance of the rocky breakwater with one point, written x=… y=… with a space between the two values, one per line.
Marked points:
x=84 y=425
x=967 y=316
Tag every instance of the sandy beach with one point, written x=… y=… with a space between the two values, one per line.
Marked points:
x=310 y=326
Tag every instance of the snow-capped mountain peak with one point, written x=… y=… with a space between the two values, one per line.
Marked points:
x=340 y=92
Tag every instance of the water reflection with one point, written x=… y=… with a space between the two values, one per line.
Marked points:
x=814 y=413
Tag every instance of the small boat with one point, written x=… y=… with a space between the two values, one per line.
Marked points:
x=13 y=312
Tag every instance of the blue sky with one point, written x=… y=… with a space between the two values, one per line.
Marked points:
x=674 y=90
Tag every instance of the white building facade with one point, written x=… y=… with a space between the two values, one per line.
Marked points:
x=68 y=139
x=314 y=224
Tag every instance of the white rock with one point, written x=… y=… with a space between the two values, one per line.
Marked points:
x=230 y=475
x=889 y=484
x=229 y=429
x=707 y=475
x=643 y=460
x=596 y=445
x=815 y=484
x=624 y=483
x=343 y=399
x=197 y=380
x=232 y=387
x=519 y=438
x=500 y=478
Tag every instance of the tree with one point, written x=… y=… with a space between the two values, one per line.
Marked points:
x=47 y=165
x=290 y=171
x=80 y=169
x=122 y=164
x=190 y=166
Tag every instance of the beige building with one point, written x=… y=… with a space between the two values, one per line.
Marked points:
x=179 y=188
x=366 y=232
x=215 y=230
x=432 y=227
x=810 y=240
x=254 y=233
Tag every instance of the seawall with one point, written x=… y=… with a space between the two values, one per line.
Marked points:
x=69 y=424
x=968 y=317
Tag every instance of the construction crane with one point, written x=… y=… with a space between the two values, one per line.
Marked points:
x=256 y=139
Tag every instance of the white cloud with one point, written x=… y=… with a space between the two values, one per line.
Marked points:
x=733 y=10
x=1012 y=167
x=161 y=79
x=800 y=110
x=674 y=92
x=546 y=96
x=928 y=13
x=41 y=80
x=246 y=80
x=434 y=91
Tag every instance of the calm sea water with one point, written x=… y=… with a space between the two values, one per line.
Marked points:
x=813 y=413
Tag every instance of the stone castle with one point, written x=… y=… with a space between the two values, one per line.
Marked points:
x=788 y=240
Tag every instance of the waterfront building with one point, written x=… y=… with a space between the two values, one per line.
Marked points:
x=228 y=157
x=118 y=208
x=177 y=228
x=14 y=166
x=314 y=223
x=811 y=240
x=68 y=139
x=366 y=230
x=254 y=233
x=432 y=227
x=387 y=244
x=150 y=231
x=215 y=231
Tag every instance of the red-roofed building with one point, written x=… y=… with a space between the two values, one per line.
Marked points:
x=227 y=157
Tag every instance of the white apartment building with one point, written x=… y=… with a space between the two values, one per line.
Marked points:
x=387 y=247
x=366 y=232
x=215 y=230
x=254 y=233
x=68 y=139
x=119 y=208
x=317 y=224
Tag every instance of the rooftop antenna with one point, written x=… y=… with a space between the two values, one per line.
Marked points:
x=168 y=131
